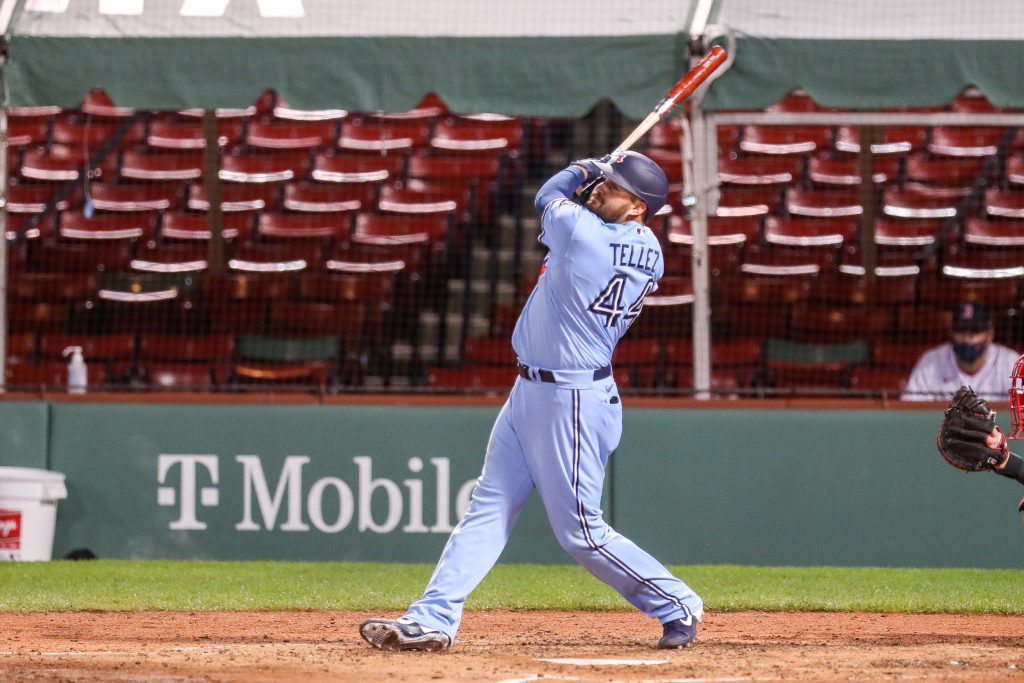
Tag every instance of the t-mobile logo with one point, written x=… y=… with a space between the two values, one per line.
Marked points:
x=184 y=495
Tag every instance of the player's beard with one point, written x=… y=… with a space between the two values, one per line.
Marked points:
x=609 y=214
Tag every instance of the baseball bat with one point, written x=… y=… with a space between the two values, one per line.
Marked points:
x=708 y=64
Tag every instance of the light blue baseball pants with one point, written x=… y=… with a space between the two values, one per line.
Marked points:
x=555 y=438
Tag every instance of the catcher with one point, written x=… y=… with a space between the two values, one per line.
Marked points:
x=969 y=438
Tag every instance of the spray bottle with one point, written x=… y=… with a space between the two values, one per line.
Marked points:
x=78 y=377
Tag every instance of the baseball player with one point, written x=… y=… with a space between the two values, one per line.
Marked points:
x=563 y=417
x=970 y=358
x=969 y=438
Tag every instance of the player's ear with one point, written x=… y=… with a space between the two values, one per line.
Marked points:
x=639 y=211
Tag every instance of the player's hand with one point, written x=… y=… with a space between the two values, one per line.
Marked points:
x=968 y=436
x=589 y=168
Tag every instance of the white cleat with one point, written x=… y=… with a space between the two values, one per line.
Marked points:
x=398 y=635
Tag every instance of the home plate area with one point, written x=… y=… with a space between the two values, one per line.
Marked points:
x=510 y=647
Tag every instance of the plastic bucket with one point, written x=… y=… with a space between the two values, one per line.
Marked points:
x=28 y=512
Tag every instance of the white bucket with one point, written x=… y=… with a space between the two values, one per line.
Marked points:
x=28 y=512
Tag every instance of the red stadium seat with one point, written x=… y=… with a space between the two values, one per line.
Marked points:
x=385 y=136
x=906 y=233
x=856 y=290
x=124 y=197
x=958 y=141
x=396 y=229
x=99 y=105
x=1004 y=203
x=283 y=112
x=27 y=132
x=421 y=199
x=895 y=140
x=50 y=374
x=948 y=178
x=92 y=135
x=759 y=170
x=331 y=198
x=264 y=167
x=462 y=135
x=823 y=170
x=61 y=163
x=1015 y=170
x=899 y=203
x=126 y=227
x=25 y=198
x=140 y=164
x=291 y=135
x=82 y=256
x=785 y=140
x=323 y=227
x=188 y=135
x=196 y=227
x=835 y=324
x=822 y=204
x=873 y=380
x=1004 y=234
x=235 y=197
x=670 y=160
x=747 y=201
x=173 y=257
x=280 y=257
x=357 y=168
x=809 y=233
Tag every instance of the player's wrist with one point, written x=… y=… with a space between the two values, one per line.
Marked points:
x=1012 y=467
x=586 y=173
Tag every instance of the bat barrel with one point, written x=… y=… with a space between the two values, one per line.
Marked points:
x=708 y=64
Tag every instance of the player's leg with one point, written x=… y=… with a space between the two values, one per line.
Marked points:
x=477 y=541
x=567 y=444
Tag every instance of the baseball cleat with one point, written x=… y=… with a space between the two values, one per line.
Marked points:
x=398 y=635
x=678 y=634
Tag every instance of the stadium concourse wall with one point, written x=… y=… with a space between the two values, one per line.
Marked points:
x=849 y=484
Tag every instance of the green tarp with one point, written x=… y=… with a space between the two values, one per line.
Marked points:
x=528 y=57
x=870 y=54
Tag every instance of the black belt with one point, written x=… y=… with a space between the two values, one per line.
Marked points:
x=526 y=372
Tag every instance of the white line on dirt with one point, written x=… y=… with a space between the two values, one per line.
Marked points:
x=573 y=661
x=537 y=677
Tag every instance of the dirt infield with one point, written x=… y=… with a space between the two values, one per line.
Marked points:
x=509 y=647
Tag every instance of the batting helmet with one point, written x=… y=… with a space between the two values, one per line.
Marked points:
x=639 y=176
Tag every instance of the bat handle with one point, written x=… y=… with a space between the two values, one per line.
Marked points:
x=638 y=132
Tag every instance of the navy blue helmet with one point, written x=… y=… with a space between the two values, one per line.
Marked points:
x=639 y=176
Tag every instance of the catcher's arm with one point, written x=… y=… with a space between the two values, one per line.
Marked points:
x=1012 y=466
x=969 y=438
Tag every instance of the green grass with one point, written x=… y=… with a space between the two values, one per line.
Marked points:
x=173 y=585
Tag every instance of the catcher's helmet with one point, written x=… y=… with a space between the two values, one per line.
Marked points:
x=639 y=176
x=1017 y=399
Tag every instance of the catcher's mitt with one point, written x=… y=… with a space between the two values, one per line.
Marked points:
x=968 y=436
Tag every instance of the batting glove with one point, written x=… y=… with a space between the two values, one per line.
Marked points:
x=590 y=168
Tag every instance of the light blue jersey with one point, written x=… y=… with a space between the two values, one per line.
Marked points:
x=592 y=288
x=563 y=419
